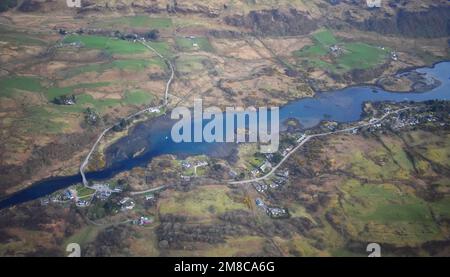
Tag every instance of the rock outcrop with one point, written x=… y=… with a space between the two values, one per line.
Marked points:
x=275 y=22
x=433 y=23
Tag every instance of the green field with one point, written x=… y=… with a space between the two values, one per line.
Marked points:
x=325 y=37
x=441 y=208
x=385 y=204
x=361 y=56
x=83 y=191
x=11 y=85
x=53 y=92
x=188 y=44
x=110 y=45
x=118 y=46
x=138 y=64
x=256 y=161
x=86 y=100
x=201 y=202
x=128 y=64
x=40 y=120
x=355 y=55
x=322 y=41
x=21 y=39
x=51 y=119
x=189 y=64
x=18 y=84
x=388 y=213
x=162 y=47
x=138 y=97
x=84 y=235
x=395 y=165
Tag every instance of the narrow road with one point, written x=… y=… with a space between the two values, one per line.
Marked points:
x=305 y=139
x=86 y=160
x=302 y=140
x=108 y=224
x=172 y=71
x=148 y=191
x=166 y=95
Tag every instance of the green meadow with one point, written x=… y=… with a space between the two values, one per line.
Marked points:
x=16 y=85
x=137 y=97
x=21 y=39
x=53 y=92
x=384 y=203
x=397 y=166
x=190 y=64
x=325 y=37
x=83 y=191
x=128 y=64
x=201 y=203
x=191 y=44
x=40 y=120
x=11 y=85
x=361 y=56
x=118 y=46
x=162 y=47
x=110 y=45
x=50 y=118
x=388 y=213
x=85 y=100
x=355 y=55
x=441 y=208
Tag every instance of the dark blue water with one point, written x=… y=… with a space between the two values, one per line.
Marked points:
x=342 y=106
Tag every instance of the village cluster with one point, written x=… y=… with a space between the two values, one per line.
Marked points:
x=83 y=196
x=190 y=169
x=280 y=179
x=336 y=50
x=274 y=212
x=406 y=119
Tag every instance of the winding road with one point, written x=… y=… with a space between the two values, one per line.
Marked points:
x=166 y=98
x=306 y=138
x=149 y=190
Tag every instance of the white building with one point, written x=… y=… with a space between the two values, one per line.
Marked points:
x=373 y=3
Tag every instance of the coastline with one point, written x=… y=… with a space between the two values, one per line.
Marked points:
x=377 y=86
